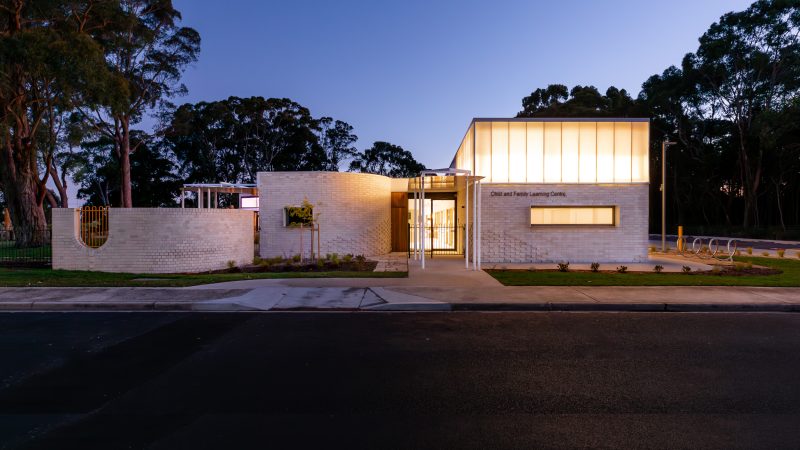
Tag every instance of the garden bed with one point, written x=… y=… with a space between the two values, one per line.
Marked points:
x=330 y=263
x=749 y=272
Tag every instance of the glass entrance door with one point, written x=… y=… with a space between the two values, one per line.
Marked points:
x=440 y=224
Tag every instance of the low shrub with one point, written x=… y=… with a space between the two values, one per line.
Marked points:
x=764 y=253
x=798 y=255
x=686 y=269
x=658 y=268
x=257 y=260
x=622 y=269
x=781 y=252
x=749 y=250
x=595 y=267
x=716 y=269
x=361 y=259
x=563 y=266
x=347 y=258
x=297 y=258
x=320 y=263
x=231 y=264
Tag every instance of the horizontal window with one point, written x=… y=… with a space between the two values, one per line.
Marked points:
x=572 y=215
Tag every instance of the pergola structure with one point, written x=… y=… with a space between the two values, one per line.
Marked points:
x=418 y=189
x=213 y=189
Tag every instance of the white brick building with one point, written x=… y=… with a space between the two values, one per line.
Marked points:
x=549 y=190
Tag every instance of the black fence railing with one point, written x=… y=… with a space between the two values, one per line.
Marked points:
x=439 y=240
x=25 y=247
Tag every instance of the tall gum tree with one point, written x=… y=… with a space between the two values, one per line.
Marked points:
x=147 y=52
x=747 y=65
x=47 y=53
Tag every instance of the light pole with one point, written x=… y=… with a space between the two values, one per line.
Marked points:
x=664 y=145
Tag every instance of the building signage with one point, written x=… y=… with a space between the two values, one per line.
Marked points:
x=547 y=194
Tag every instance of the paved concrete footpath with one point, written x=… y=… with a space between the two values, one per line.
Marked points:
x=285 y=298
x=445 y=285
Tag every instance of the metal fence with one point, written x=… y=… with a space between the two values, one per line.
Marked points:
x=94 y=225
x=23 y=246
x=438 y=240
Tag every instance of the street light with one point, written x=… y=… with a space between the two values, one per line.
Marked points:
x=664 y=145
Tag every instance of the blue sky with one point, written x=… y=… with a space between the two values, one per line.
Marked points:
x=415 y=72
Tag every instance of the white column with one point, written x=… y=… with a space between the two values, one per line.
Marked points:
x=183 y=198
x=475 y=224
x=199 y=198
x=479 y=244
x=466 y=222
x=416 y=223
x=422 y=209
x=208 y=191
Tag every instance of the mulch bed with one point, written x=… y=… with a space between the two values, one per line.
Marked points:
x=327 y=266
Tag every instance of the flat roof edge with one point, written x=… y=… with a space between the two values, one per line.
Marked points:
x=561 y=119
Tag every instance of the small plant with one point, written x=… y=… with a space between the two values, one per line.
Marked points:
x=764 y=253
x=231 y=264
x=348 y=258
x=749 y=250
x=716 y=269
x=798 y=255
x=257 y=260
x=563 y=266
x=320 y=264
x=739 y=266
x=658 y=268
x=296 y=258
x=531 y=269
x=595 y=267
x=334 y=259
x=737 y=253
x=622 y=269
x=361 y=259
x=686 y=269
x=780 y=252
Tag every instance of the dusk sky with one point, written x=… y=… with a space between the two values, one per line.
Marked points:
x=415 y=72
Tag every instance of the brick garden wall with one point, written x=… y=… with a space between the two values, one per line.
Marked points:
x=354 y=212
x=507 y=235
x=157 y=240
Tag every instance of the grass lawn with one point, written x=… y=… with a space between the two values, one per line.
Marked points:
x=24 y=277
x=789 y=277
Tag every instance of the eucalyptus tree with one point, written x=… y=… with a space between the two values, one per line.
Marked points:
x=747 y=66
x=48 y=54
x=146 y=51
x=233 y=139
x=386 y=159
x=338 y=141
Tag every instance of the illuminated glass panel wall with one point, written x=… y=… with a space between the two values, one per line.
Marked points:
x=556 y=152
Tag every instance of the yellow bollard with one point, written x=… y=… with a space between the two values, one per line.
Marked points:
x=680 y=238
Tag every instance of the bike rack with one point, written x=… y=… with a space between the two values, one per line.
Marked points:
x=713 y=248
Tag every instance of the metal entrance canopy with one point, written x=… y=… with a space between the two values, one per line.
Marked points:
x=418 y=184
x=216 y=188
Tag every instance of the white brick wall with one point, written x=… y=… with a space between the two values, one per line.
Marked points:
x=354 y=212
x=507 y=235
x=157 y=240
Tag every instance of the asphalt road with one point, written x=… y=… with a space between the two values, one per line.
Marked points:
x=407 y=380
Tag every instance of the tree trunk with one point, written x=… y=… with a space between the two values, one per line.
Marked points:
x=126 y=200
x=27 y=215
x=21 y=187
x=61 y=186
